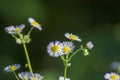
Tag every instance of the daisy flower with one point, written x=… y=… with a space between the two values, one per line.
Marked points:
x=36 y=76
x=12 y=68
x=67 y=47
x=24 y=75
x=62 y=78
x=89 y=45
x=55 y=48
x=14 y=30
x=72 y=37
x=112 y=76
x=34 y=23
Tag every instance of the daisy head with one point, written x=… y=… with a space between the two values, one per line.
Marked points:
x=24 y=75
x=62 y=78
x=55 y=48
x=12 y=68
x=89 y=45
x=112 y=76
x=34 y=23
x=14 y=30
x=36 y=76
x=72 y=37
x=67 y=47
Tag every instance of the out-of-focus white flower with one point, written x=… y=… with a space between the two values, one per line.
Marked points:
x=89 y=45
x=68 y=47
x=36 y=76
x=72 y=37
x=34 y=23
x=55 y=49
x=12 y=68
x=14 y=30
x=112 y=76
x=62 y=78
x=24 y=75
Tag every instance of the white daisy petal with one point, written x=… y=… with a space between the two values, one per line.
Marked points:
x=112 y=76
x=54 y=49
x=34 y=23
x=72 y=37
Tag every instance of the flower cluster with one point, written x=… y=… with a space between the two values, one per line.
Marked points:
x=112 y=76
x=16 y=31
x=65 y=50
x=17 y=34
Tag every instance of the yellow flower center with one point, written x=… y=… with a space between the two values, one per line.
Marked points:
x=35 y=79
x=12 y=68
x=35 y=24
x=17 y=29
x=114 y=77
x=55 y=48
x=66 y=49
x=73 y=37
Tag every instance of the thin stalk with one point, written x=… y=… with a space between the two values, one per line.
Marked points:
x=65 y=70
x=15 y=76
x=28 y=59
x=30 y=30
x=74 y=54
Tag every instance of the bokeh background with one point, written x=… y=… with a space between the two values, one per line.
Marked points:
x=93 y=20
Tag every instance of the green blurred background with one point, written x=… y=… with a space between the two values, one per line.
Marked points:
x=93 y=20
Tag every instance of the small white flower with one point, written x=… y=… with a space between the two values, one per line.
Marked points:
x=14 y=30
x=34 y=23
x=68 y=47
x=12 y=68
x=24 y=75
x=112 y=76
x=89 y=45
x=62 y=78
x=10 y=29
x=55 y=49
x=36 y=76
x=72 y=37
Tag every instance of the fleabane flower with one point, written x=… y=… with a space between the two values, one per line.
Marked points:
x=68 y=47
x=55 y=49
x=12 y=68
x=62 y=78
x=24 y=75
x=89 y=45
x=14 y=30
x=112 y=76
x=36 y=76
x=72 y=37
x=34 y=23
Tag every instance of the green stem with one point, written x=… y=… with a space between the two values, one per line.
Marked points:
x=15 y=76
x=28 y=60
x=30 y=30
x=65 y=71
x=74 y=54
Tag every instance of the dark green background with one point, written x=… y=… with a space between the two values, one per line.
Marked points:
x=94 y=20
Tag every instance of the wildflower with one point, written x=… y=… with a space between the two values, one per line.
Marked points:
x=62 y=78
x=36 y=77
x=112 y=76
x=24 y=75
x=34 y=23
x=55 y=48
x=89 y=45
x=72 y=37
x=12 y=68
x=67 y=47
x=14 y=30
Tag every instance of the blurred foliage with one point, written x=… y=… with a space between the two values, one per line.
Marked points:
x=95 y=20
